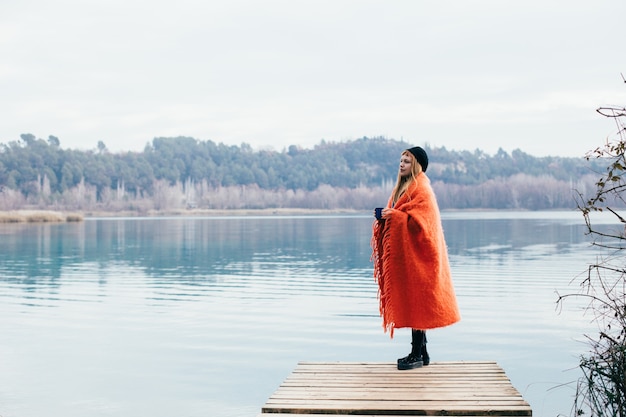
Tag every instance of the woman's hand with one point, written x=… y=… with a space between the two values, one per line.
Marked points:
x=386 y=212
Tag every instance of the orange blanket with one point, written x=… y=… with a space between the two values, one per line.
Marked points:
x=411 y=263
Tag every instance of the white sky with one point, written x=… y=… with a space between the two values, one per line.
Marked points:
x=460 y=74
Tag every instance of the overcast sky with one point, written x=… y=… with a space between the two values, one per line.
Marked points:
x=461 y=74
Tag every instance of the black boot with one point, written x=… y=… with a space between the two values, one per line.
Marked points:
x=425 y=356
x=414 y=359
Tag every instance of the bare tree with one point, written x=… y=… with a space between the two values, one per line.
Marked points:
x=601 y=391
x=11 y=199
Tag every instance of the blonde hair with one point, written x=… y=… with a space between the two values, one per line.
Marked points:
x=402 y=184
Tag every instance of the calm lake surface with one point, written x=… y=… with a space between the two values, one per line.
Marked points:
x=206 y=316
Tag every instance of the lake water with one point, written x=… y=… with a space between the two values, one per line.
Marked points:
x=206 y=316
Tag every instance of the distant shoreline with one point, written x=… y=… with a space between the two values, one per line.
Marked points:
x=54 y=216
x=39 y=216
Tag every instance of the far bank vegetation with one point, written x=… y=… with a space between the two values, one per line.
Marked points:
x=187 y=174
x=38 y=216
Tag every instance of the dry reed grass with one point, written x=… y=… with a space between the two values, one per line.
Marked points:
x=11 y=217
x=38 y=216
x=74 y=217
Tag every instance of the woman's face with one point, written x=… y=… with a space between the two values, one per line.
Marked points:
x=406 y=160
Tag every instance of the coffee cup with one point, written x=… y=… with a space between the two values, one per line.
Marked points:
x=378 y=212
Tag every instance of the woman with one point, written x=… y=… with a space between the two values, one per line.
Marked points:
x=411 y=260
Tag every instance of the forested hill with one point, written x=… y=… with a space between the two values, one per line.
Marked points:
x=42 y=171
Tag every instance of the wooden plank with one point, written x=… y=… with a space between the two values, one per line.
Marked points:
x=390 y=394
x=460 y=388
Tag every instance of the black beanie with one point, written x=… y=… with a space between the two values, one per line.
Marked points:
x=420 y=155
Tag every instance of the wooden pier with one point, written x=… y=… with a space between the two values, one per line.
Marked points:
x=469 y=388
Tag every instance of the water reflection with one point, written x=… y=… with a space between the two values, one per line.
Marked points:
x=178 y=258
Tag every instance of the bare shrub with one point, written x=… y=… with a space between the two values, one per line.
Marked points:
x=602 y=389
